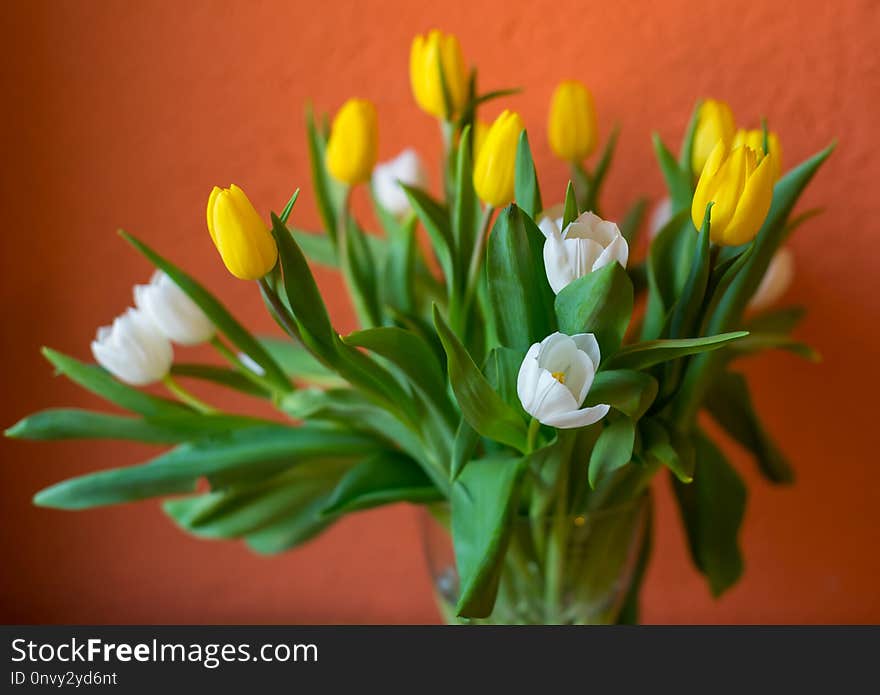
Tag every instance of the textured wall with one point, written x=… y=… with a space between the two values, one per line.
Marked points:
x=125 y=114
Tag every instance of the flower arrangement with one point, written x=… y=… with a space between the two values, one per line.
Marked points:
x=520 y=374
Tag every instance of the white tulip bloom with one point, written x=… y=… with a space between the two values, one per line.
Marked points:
x=586 y=244
x=133 y=349
x=555 y=378
x=776 y=281
x=406 y=168
x=176 y=315
x=661 y=215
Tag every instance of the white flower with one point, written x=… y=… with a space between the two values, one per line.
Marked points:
x=176 y=315
x=133 y=349
x=661 y=215
x=555 y=378
x=587 y=244
x=776 y=281
x=406 y=168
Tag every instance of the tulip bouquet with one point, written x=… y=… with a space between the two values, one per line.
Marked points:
x=517 y=372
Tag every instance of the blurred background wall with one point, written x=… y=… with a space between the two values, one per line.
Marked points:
x=124 y=114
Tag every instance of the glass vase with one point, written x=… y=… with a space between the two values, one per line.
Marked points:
x=574 y=570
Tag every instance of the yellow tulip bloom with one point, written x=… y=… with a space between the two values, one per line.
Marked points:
x=478 y=137
x=495 y=167
x=572 y=127
x=740 y=184
x=353 y=146
x=755 y=140
x=428 y=56
x=245 y=244
x=714 y=122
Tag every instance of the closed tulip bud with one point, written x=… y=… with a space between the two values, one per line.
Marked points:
x=714 y=122
x=351 y=151
x=245 y=244
x=428 y=56
x=133 y=349
x=572 y=124
x=585 y=245
x=177 y=316
x=775 y=282
x=406 y=169
x=755 y=140
x=555 y=378
x=495 y=166
x=740 y=184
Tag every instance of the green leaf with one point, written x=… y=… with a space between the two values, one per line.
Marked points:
x=625 y=390
x=650 y=352
x=687 y=145
x=483 y=408
x=712 y=508
x=665 y=277
x=215 y=311
x=522 y=301
x=386 y=478
x=730 y=405
x=288 y=207
x=600 y=302
x=632 y=221
x=483 y=504
x=463 y=448
x=326 y=190
x=570 y=210
x=783 y=320
x=220 y=375
x=360 y=270
x=759 y=342
x=225 y=458
x=678 y=179
x=465 y=212
x=686 y=313
x=298 y=362
x=100 y=382
x=72 y=423
x=398 y=290
x=613 y=449
x=527 y=190
x=241 y=510
x=435 y=218
x=318 y=247
x=658 y=444
x=591 y=201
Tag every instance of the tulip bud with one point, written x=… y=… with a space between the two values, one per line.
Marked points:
x=755 y=140
x=428 y=56
x=714 y=122
x=741 y=188
x=406 y=169
x=555 y=378
x=585 y=245
x=133 y=349
x=245 y=244
x=776 y=281
x=495 y=167
x=351 y=151
x=177 y=316
x=572 y=124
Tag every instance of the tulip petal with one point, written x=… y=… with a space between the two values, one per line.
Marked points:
x=551 y=398
x=527 y=378
x=577 y=418
x=754 y=204
x=579 y=377
x=586 y=342
x=617 y=250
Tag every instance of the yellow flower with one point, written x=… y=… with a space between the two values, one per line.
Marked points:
x=714 y=122
x=740 y=184
x=428 y=56
x=479 y=133
x=245 y=244
x=495 y=167
x=755 y=140
x=572 y=126
x=351 y=151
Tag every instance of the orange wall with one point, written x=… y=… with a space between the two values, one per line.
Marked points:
x=125 y=114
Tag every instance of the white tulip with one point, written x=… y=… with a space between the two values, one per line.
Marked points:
x=585 y=245
x=555 y=378
x=133 y=349
x=174 y=313
x=661 y=215
x=776 y=281
x=406 y=168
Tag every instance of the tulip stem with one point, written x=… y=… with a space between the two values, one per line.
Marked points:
x=473 y=275
x=186 y=397
x=532 y=436
x=279 y=311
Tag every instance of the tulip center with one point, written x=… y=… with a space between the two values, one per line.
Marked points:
x=559 y=376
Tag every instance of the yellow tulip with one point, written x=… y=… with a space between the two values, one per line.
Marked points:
x=495 y=167
x=428 y=56
x=572 y=124
x=740 y=184
x=714 y=122
x=351 y=151
x=245 y=244
x=479 y=133
x=755 y=140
